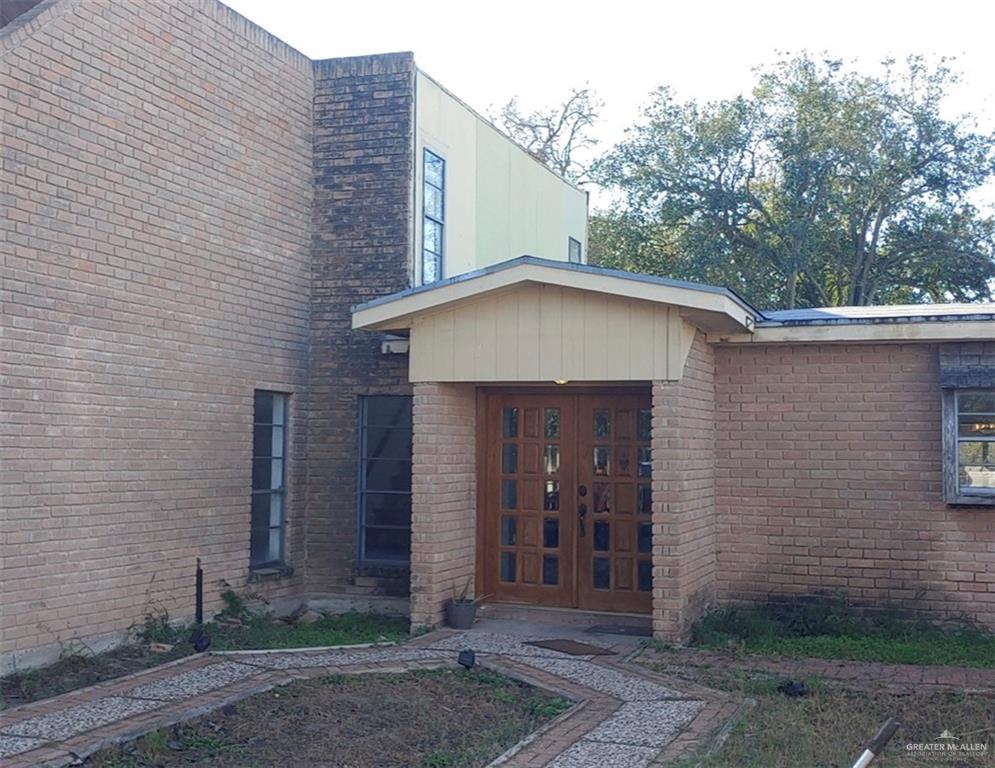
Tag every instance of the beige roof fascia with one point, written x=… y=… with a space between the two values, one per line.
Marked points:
x=718 y=308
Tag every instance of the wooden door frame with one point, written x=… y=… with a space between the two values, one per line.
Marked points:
x=484 y=534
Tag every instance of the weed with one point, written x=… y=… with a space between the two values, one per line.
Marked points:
x=156 y=627
x=152 y=745
x=549 y=708
x=235 y=606
x=208 y=742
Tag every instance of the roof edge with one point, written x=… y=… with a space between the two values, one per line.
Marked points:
x=26 y=25
x=491 y=124
x=566 y=267
x=951 y=317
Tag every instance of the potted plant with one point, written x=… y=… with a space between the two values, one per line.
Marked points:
x=462 y=610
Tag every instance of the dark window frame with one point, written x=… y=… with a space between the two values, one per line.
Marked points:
x=427 y=217
x=571 y=242
x=362 y=490
x=280 y=491
x=953 y=491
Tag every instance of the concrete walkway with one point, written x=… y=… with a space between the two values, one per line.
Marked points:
x=625 y=716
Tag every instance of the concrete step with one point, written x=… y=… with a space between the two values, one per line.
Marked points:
x=571 y=617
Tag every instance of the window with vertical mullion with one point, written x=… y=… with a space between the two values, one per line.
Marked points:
x=385 y=480
x=975 y=430
x=433 y=216
x=269 y=471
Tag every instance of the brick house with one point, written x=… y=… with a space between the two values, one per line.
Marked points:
x=274 y=313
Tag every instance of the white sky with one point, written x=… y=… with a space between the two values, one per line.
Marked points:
x=537 y=50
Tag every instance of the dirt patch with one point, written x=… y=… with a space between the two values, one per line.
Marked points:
x=79 y=670
x=822 y=723
x=437 y=719
x=82 y=668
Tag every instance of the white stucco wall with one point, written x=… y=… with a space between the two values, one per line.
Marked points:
x=500 y=201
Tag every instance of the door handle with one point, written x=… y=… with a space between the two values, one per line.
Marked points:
x=582 y=491
x=581 y=514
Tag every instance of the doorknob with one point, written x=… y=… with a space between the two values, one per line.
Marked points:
x=581 y=514
x=582 y=491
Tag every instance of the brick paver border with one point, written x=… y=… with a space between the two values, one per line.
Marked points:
x=591 y=708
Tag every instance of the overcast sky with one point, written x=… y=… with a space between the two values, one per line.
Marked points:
x=537 y=50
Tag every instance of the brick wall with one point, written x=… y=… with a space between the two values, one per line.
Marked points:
x=684 y=521
x=444 y=500
x=360 y=250
x=155 y=272
x=829 y=478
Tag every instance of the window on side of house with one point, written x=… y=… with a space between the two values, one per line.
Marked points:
x=433 y=216
x=573 y=250
x=973 y=432
x=269 y=472
x=385 y=480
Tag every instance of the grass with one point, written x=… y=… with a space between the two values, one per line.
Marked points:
x=830 y=630
x=430 y=719
x=829 y=727
x=79 y=667
x=342 y=629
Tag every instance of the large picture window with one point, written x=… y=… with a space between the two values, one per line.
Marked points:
x=385 y=480
x=269 y=471
x=433 y=216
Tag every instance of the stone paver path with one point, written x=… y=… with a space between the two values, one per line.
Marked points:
x=624 y=715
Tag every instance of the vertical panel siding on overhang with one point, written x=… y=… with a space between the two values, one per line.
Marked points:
x=543 y=333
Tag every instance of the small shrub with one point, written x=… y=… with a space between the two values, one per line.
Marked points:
x=234 y=606
x=156 y=627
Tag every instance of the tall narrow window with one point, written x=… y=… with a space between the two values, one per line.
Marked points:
x=269 y=469
x=385 y=480
x=433 y=216
x=573 y=250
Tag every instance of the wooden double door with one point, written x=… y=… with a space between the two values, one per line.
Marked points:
x=566 y=492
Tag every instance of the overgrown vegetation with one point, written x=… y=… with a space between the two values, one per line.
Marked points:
x=830 y=725
x=342 y=629
x=238 y=629
x=158 y=640
x=431 y=719
x=832 y=630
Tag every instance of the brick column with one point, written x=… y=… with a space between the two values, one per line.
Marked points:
x=444 y=497
x=684 y=516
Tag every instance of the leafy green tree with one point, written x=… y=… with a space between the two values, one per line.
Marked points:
x=823 y=187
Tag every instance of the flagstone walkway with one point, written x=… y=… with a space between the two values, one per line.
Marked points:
x=625 y=716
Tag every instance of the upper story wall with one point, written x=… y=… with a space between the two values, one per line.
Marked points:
x=500 y=202
x=158 y=177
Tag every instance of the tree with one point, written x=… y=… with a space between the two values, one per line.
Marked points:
x=557 y=136
x=823 y=187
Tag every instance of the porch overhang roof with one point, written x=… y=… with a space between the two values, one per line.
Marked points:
x=714 y=309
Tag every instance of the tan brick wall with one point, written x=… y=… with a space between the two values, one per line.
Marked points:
x=444 y=497
x=684 y=533
x=155 y=272
x=829 y=479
